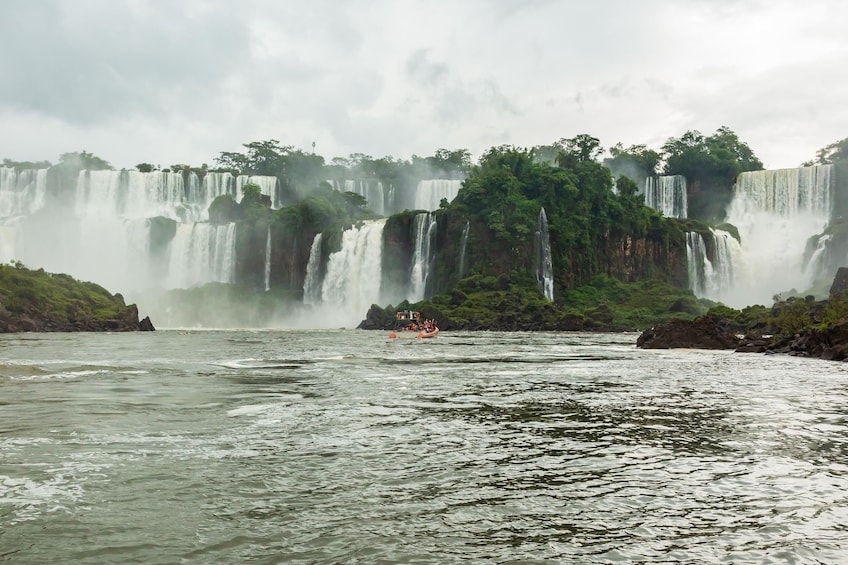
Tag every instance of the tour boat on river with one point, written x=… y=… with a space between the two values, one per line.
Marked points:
x=409 y=324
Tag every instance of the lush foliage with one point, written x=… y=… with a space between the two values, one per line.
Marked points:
x=37 y=293
x=710 y=165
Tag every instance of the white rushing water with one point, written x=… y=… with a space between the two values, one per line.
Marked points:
x=312 y=281
x=776 y=212
x=380 y=200
x=106 y=236
x=424 y=231
x=352 y=280
x=714 y=278
x=429 y=193
x=463 y=243
x=544 y=261
x=667 y=195
x=344 y=446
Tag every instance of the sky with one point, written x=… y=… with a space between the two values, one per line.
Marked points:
x=167 y=82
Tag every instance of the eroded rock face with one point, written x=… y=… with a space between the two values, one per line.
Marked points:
x=840 y=281
x=705 y=332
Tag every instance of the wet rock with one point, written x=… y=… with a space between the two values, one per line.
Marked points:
x=705 y=332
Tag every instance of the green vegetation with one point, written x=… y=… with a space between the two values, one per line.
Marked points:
x=38 y=300
x=710 y=165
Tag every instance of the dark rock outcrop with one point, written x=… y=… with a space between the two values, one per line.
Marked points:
x=840 y=281
x=830 y=343
x=705 y=332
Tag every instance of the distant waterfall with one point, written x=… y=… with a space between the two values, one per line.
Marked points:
x=776 y=212
x=202 y=253
x=352 y=281
x=429 y=193
x=463 y=242
x=425 y=229
x=21 y=193
x=312 y=282
x=667 y=195
x=379 y=200
x=267 y=185
x=544 y=262
x=268 y=261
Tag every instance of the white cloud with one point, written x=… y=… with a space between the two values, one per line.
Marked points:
x=173 y=82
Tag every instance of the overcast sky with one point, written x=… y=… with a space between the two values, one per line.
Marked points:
x=167 y=81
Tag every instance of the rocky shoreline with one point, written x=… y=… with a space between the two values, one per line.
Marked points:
x=829 y=343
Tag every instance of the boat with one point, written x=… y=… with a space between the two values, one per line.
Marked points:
x=408 y=323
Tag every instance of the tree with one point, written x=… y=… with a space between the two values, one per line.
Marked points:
x=636 y=162
x=82 y=160
x=144 y=167
x=580 y=148
x=710 y=165
x=836 y=152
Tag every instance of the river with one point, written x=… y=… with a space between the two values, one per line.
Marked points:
x=345 y=447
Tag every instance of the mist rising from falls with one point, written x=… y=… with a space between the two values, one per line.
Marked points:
x=544 y=262
x=667 y=195
x=101 y=227
x=776 y=212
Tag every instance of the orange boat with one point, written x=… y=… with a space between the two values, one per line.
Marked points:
x=410 y=324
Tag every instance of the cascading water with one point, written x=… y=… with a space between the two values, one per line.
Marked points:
x=21 y=193
x=106 y=237
x=268 y=261
x=379 y=200
x=425 y=229
x=463 y=242
x=312 y=282
x=776 y=212
x=715 y=277
x=202 y=253
x=352 y=280
x=429 y=193
x=544 y=262
x=667 y=195
x=267 y=185
x=698 y=263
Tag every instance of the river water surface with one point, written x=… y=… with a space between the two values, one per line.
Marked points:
x=345 y=447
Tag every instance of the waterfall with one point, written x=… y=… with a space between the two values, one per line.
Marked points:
x=429 y=193
x=463 y=242
x=312 y=282
x=352 y=281
x=267 y=185
x=202 y=253
x=268 y=261
x=425 y=230
x=667 y=195
x=776 y=212
x=21 y=193
x=371 y=190
x=698 y=263
x=713 y=278
x=544 y=262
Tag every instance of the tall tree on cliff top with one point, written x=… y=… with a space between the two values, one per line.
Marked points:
x=710 y=165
